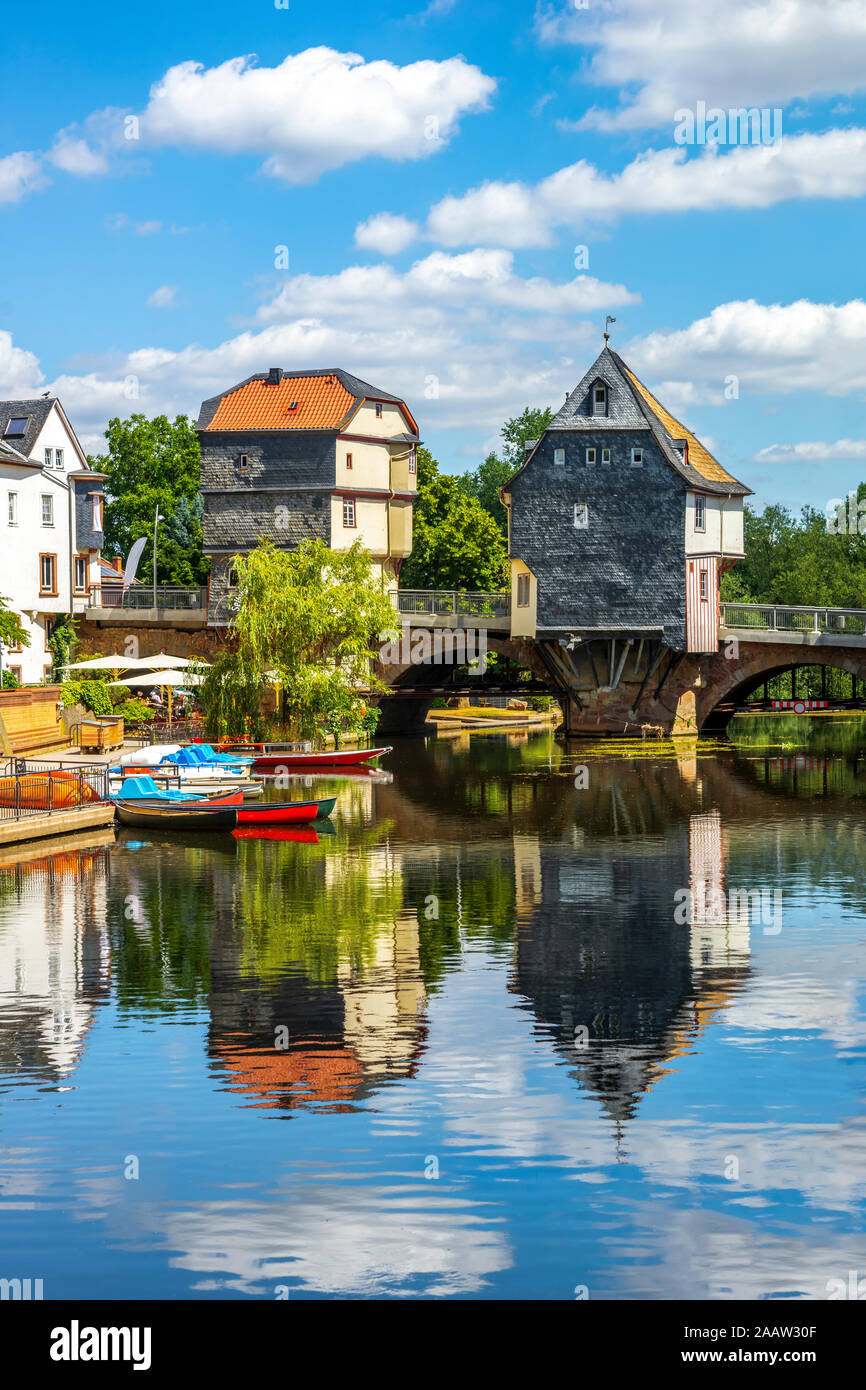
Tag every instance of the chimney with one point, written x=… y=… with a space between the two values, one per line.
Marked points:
x=117 y=561
x=275 y=376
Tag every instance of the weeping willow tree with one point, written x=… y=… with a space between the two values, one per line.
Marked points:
x=306 y=624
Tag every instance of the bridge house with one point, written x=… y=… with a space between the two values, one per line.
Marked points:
x=621 y=523
x=287 y=456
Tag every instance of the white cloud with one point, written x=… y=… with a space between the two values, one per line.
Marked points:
x=316 y=110
x=658 y=55
x=20 y=174
x=73 y=155
x=19 y=370
x=386 y=233
x=770 y=348
x=476 y=280
x=163 y=298
x=579 y=196
x=812 y=451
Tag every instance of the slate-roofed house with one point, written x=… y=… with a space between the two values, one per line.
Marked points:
x=287 y=456
x=51 y=514
x=621 y=522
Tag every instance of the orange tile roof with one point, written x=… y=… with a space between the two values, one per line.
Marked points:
x=699 y=458
x=322 y=403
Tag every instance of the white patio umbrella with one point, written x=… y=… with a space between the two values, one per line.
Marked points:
x=160 y=678
x=104 y=663
x=165 y=663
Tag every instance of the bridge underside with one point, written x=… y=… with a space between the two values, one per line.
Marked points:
x=624 y=686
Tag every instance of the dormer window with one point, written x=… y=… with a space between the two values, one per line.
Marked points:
x=599 y=399
x=243 y=460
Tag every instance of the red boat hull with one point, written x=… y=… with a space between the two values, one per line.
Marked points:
x=279 y=813
x=352 y=757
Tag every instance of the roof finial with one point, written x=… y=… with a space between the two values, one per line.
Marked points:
x=610 y=319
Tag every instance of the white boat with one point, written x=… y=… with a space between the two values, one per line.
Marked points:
x=150 y=756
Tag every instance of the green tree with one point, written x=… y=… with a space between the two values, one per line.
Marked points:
x=149 y=464
x=797 y=561
x=12 y=634
x=306 y=623
x=529 y=424
x=456 y=544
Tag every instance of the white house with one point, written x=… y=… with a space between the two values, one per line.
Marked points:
x=51 y=504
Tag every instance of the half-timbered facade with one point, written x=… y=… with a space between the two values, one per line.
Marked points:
x=621 y=522
x=287 y=456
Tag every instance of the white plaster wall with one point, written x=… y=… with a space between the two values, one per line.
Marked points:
x=715 y=539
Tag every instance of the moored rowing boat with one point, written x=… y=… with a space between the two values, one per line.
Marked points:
x=286 y=812
x=176 y=815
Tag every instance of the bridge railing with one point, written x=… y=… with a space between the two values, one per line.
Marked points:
x=451 y=603
x=166 y=597
x=841 y=622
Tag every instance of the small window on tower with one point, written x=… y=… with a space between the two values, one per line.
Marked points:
x=348 y=512
x=590 y=456
x=636 y=458
x=581 y=516
x=559 y=458
x=700 y=514
x=413 y=462
x=605 y=455
x=599 y=400
x=378 y=412
x=348 y=460
x=703 y=584
x=523 y=591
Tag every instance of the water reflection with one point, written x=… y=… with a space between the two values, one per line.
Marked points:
x=494 y=969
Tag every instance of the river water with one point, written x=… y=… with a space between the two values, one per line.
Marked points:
x=536 y=1021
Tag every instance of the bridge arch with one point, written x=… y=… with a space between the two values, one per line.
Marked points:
x=414 y=685
x=729 y=684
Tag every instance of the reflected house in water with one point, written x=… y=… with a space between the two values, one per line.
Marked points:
x=602 y=915
x=55 y=958
x=294 y=1033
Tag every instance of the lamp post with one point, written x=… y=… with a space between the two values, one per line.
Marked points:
x=157 y=518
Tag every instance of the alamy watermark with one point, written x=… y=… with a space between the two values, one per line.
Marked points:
x=741 y=125
x=709 y=904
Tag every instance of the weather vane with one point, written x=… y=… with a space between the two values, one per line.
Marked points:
x=610 y=319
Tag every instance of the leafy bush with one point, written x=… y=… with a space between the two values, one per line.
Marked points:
x=542 y=703
x=135 y=711
x=439 y=703
x=10 y=681
x=93 y=695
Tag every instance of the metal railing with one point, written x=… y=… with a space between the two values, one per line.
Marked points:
x=841 y=622
x=451 y=603
x=34 y=790
x=166 y=597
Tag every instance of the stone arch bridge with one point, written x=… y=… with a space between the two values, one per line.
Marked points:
x=622 y=683
x=616 y=682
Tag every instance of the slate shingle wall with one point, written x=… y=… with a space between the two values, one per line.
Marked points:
x=278 y=459
x=85 y=536
x=274 y=498
x=628 y=568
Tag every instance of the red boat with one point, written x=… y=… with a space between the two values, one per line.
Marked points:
x=285 y=812
x=268 y=757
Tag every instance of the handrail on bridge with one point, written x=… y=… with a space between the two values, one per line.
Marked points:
x=167 y=596
x=777 y=617
x=451 y=602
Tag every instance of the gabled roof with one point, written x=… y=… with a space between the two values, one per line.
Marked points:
x=326 y=399
x=632 y=406
x=35 y=412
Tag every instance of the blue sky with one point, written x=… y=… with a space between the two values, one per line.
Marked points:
x=430 y=174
